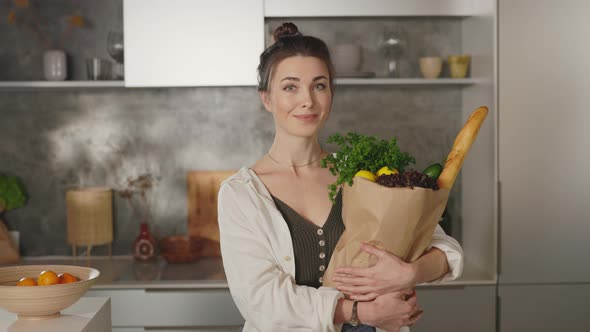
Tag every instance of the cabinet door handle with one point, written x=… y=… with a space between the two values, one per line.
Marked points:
x=235 y=328
x=212 y=289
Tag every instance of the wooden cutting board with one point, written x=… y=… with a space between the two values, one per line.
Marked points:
x=203 y=187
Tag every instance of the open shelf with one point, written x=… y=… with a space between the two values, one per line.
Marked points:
x=34 y=85
x=43 y=85
x=407 y=81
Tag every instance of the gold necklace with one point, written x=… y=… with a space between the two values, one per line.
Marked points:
x=280 y=164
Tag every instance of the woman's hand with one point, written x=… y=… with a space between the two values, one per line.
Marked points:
x=389 y=274
x=390 y=312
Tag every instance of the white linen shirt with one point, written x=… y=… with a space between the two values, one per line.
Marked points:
x=259 y=264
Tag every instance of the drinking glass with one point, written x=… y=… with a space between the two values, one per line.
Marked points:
x=115 y=48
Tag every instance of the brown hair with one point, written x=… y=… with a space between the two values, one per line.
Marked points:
x=290 y=42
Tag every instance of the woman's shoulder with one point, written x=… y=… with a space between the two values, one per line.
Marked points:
x=240 y=186
x=242 y=176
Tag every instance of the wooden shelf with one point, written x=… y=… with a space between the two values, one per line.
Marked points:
x=407 y=81
x=35 y=85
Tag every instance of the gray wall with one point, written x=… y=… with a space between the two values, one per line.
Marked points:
x=56 y=140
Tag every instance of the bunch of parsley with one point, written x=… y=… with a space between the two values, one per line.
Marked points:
x=359 y=152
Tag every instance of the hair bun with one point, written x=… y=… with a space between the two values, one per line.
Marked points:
x=287 y=29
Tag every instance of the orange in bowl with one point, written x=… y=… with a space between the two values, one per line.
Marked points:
x=26 y=282
x=66 y=278
x=47 y=301
x=47 y=278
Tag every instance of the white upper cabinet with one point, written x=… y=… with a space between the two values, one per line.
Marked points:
x=343 y=8
x=192 y=42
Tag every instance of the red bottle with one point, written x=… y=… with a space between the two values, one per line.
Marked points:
x=144 y=247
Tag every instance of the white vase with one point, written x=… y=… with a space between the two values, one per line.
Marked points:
x=55 y=65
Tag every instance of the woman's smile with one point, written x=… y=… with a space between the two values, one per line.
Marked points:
x=306 y=118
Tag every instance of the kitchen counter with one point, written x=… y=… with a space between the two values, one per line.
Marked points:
x=87 y=315
x=123 y=272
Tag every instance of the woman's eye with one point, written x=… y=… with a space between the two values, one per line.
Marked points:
x=289 y=88
x=320 y=86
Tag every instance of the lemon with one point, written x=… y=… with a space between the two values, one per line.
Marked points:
x=386 y=171
x=366 y=174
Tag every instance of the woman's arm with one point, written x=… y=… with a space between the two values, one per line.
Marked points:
x=444 y=261
x=388 y=312
x=453 y=253
x=430 y=266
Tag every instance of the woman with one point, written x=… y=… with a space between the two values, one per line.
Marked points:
x=278 y=227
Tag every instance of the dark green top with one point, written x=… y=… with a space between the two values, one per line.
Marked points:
x=312 y=245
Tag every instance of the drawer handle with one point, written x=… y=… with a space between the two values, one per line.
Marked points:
x=194 y=328
x=186 y=290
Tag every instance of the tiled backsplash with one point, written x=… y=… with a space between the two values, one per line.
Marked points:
x=59 y=140
x=56 y=140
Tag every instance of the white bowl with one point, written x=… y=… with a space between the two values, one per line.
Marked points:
x=41 y=302
x=346 y=58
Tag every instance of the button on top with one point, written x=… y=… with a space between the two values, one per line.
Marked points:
x=320 y=231
x=322 y=267
x=322 y=243
x=322 y=255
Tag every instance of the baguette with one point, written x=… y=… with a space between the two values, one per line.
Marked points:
x=461 y=147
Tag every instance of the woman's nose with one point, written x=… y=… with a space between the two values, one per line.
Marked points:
x=307 y=99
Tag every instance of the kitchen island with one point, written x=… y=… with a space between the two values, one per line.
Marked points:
x=86 y=315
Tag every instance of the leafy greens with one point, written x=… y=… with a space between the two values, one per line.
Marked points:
x=360 y=152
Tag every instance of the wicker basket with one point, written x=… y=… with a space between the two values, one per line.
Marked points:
x=90 y=217
x=181 y=248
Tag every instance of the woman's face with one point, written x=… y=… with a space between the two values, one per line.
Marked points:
x=299 y=95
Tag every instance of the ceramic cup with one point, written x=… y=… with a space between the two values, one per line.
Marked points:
x=431 y=66
x=458 y=65
x=346 y=57
x=54 y=65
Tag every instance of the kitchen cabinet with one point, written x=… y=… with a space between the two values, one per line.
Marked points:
x=544 y=308
x=448 y=307
x=354 y=8
x=544 y=280
x=172 y=309
x=545 y=121
x=192 y=42
x=479 y=176
x=457 y=308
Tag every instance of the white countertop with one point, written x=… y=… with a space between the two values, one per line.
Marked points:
x=123 y=272
x=89 y=314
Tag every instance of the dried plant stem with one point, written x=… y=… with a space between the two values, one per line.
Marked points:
x=136 y=209
x=37 y=31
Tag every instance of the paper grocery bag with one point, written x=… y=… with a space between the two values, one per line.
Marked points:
x=400 y=220
x=8 y=251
